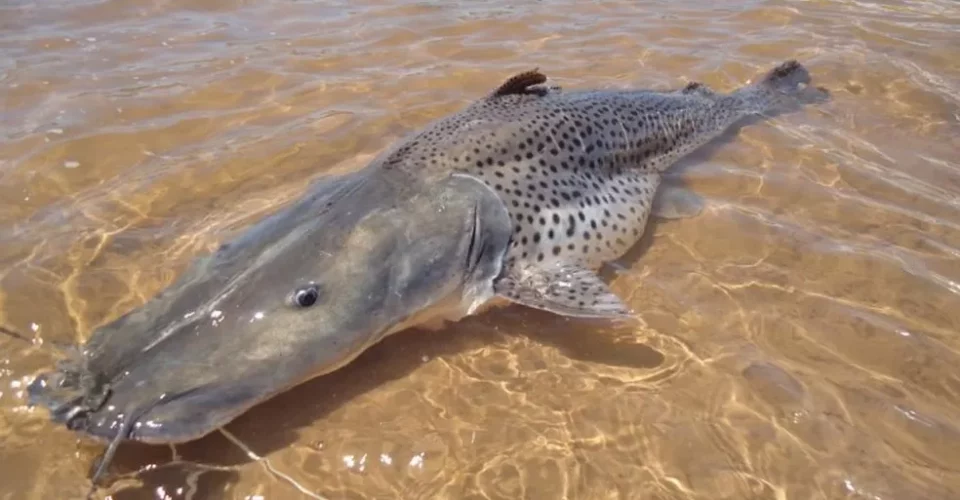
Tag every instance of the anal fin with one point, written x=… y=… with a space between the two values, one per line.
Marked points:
x=674 y=202
x=566 y=290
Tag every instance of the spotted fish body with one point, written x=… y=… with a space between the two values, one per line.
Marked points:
x=579 y=171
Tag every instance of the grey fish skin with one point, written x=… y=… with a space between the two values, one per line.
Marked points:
x=375 y=251
x=520 y=196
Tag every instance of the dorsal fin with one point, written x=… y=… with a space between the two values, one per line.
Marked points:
x=520 y=84
x=698 y=89
x=692 y=87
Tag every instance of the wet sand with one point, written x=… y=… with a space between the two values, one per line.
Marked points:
x=800 y=338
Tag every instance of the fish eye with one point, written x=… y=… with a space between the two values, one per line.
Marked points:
x=306 y=296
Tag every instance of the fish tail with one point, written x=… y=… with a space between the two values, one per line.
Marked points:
x=783 y=87
x=786 y=78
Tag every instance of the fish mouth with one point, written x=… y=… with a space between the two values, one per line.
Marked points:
x=95 y=414
x=89 y=405
x=137 y=406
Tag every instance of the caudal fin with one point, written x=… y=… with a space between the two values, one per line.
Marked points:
x=787 y=78
x=783 y=87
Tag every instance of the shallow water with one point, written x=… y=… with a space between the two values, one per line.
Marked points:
x=800 y=338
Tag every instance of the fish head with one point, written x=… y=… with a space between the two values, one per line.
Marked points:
x=300 y=294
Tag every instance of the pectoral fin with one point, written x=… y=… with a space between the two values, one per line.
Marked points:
x=567 y=290
x=674 y=202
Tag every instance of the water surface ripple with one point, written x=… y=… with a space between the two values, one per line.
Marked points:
x=799 y=339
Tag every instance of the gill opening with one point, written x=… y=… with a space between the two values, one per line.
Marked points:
x=474 y=245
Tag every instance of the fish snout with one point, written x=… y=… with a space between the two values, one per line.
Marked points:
x=73 y=397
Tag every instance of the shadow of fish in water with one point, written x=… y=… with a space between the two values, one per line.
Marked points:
x=518 y=198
